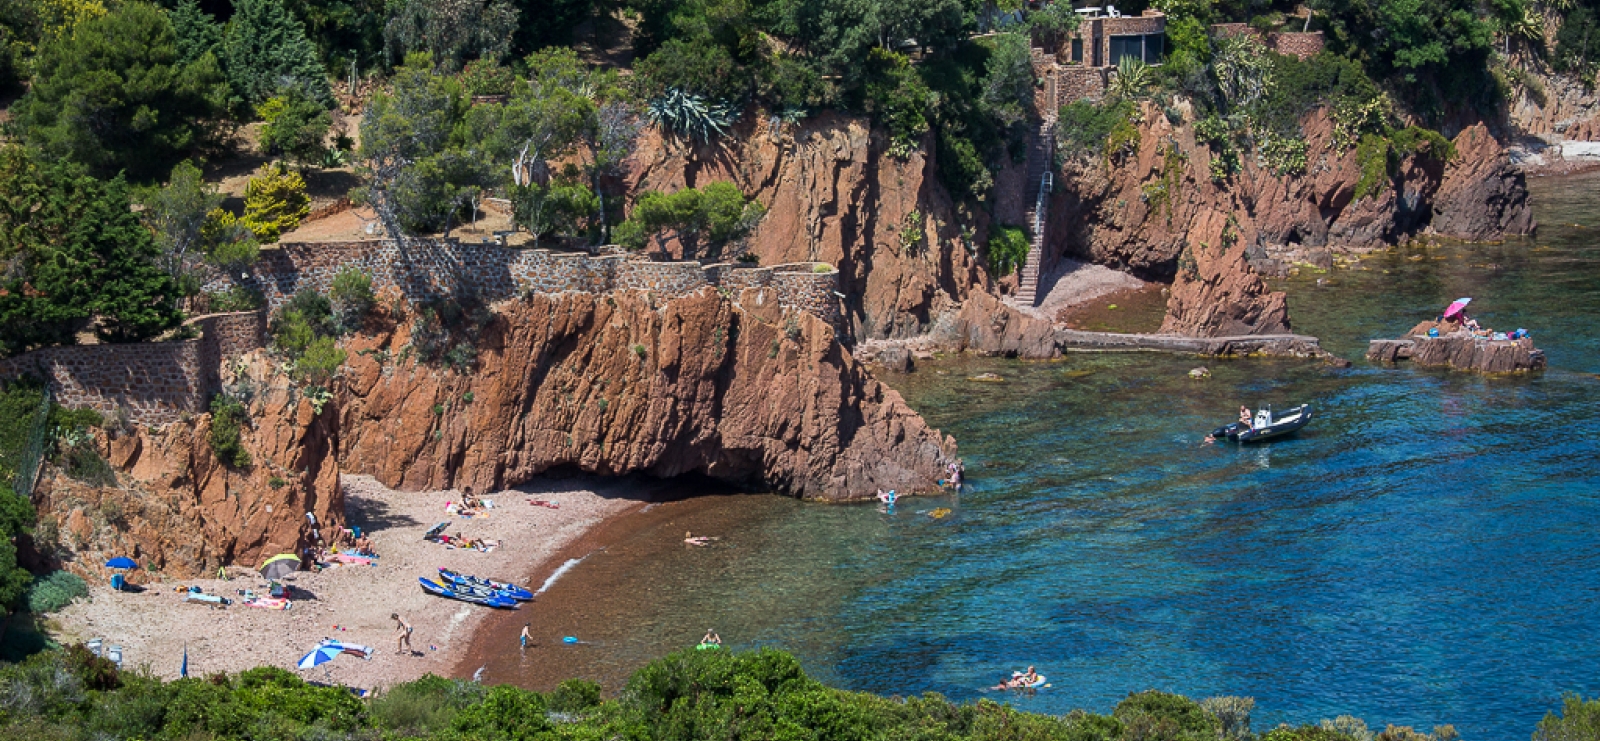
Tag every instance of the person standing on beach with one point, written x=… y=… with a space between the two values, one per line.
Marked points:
x=402 y=634
x=525 y=638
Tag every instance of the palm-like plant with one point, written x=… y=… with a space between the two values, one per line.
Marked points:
x=1242 y=69
x=1132 y=79
x=687 y=114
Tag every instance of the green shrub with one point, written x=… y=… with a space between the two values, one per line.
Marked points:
x=899 y=98
x=236 y=298
x=575 y=695
x=84 y=463
x=1085 y=127
x=319 y=362
x=423 y=707
x=1417 y=140
x=1008 y=249
x=55 y=591
x=228 y=415
x=1372 y=157
x=1579 y=720
x=507 y=713
x=296 y=127
x=487 y=77
x=961 y=166
x=351 y=298
x=715 y=215
x=1285 y=155
x=1167 y=715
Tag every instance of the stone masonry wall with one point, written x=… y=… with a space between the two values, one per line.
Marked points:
x=1294 y=43
x=1078 y=82
x=156 y=382
x=432 y=269
x=1301 y=45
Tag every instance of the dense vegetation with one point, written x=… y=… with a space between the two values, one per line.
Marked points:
x=130 y=89
x=72 y=695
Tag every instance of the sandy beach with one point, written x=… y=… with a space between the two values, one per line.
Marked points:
x=154 y=627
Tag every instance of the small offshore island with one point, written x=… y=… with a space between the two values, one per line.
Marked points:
x=361 y=364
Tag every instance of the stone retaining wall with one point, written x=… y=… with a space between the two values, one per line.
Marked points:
x=1079 y=82
x=433 y=269
x=156 y=382
x=1293 y=43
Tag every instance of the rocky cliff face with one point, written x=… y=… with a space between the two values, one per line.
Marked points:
x=1157 y=212
x=834 y=194
x=729 y=386
x=178 y=509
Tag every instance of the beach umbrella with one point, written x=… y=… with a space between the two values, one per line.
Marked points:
x=319 y=656
x=1456 y=307
x=121 y=562
x=279 y=566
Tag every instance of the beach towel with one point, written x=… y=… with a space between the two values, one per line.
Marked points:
x=351 y=558
x=268 y=603
x=544 y=503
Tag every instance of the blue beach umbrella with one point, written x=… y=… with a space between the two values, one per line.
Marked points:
x=319 y=656
x=121 y=562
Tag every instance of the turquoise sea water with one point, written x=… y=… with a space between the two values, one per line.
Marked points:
x=1425 y=552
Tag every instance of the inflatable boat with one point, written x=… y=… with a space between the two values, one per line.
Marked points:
x=499 y=587
x=485 y=598
x=1266 y=425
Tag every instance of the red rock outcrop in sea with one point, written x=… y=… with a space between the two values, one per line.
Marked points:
x=1150 y=211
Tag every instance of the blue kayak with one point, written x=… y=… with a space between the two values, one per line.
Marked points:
x=485 y=598
x=471 y=582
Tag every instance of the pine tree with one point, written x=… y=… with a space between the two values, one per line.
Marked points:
x=266 y=51
x=76 y=253
x=196 y=31
x=114 y=95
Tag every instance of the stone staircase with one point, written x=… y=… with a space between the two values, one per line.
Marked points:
x=1041 y=155
x=1041 y=164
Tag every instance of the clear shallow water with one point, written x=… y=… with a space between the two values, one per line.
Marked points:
x=1424 y=553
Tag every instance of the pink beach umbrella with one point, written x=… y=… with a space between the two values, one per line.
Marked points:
x=1456 y=307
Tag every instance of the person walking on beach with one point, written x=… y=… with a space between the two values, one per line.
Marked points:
x=525 y=638
x=402 y=634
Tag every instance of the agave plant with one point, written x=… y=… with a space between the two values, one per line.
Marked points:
x=687 y=114
x=1132 y=79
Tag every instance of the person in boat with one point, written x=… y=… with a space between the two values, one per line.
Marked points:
x=1244 y=415
x=711 y=638
x=1028 y=678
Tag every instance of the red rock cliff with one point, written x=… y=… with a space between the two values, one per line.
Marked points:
x=178 y=509
x=834 y=194
x=1157 y=212
x=729 y=386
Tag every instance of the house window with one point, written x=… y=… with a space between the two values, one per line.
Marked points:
x=1153 y=48
x=1125 y=46
x=1077 y=50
